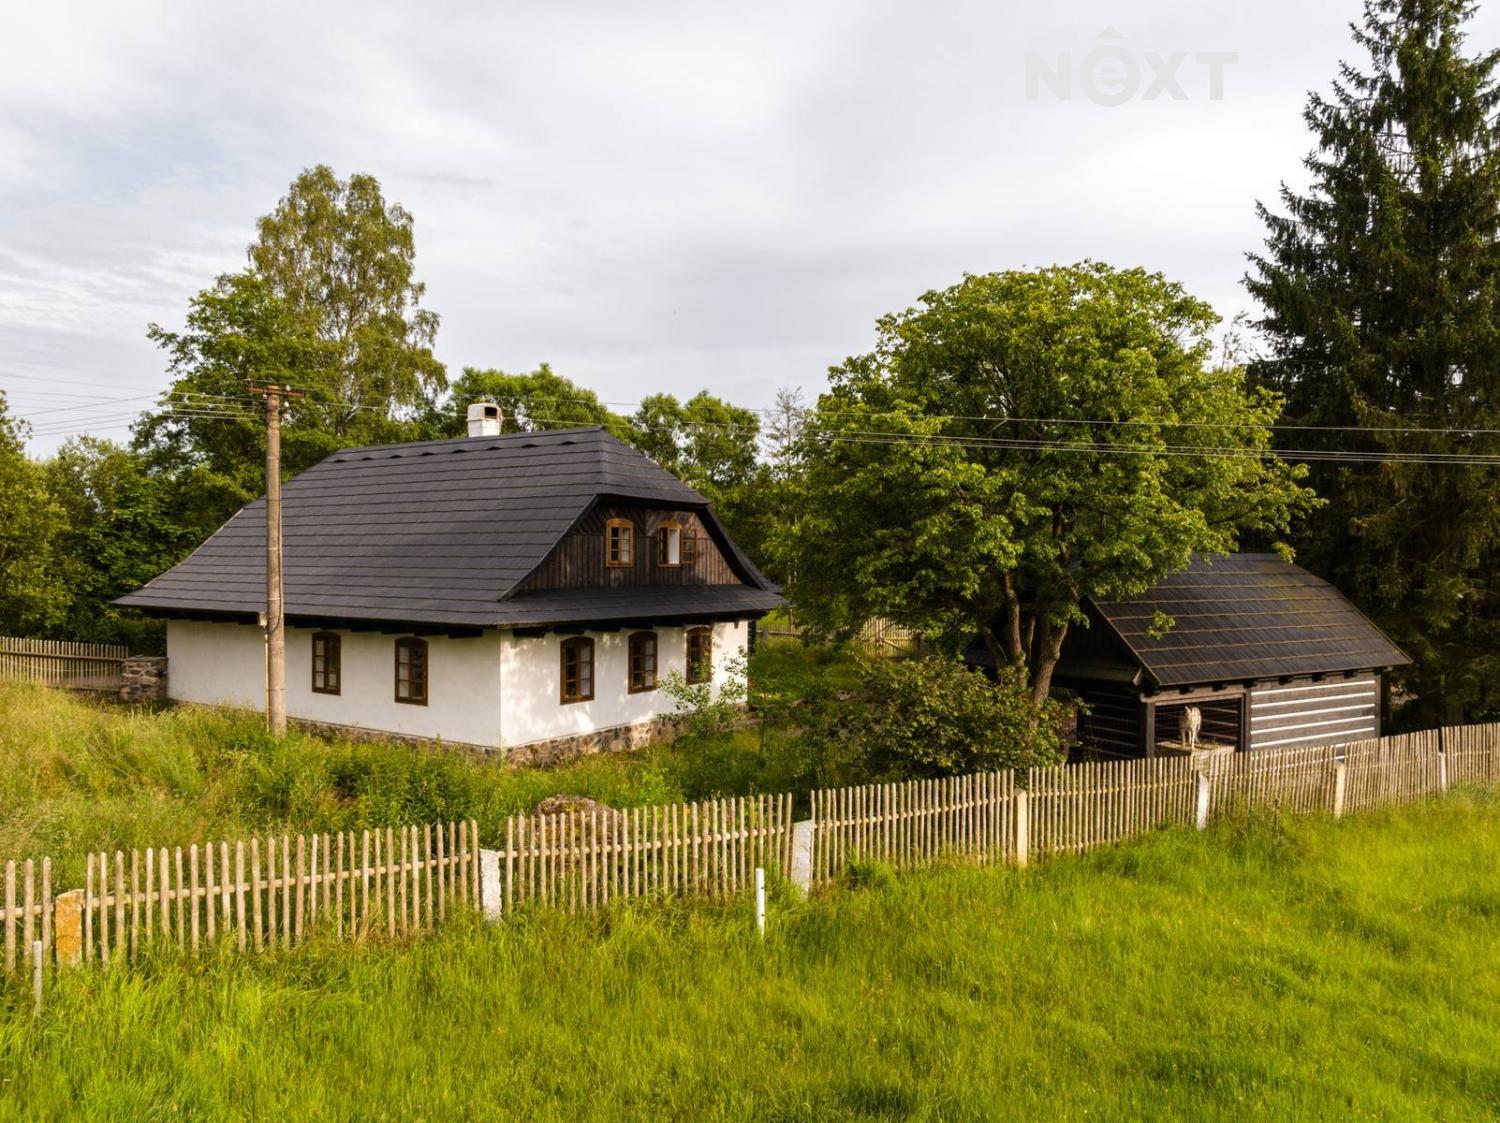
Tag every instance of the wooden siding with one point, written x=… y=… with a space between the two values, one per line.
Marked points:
x=577 y=562
x=1303 y=712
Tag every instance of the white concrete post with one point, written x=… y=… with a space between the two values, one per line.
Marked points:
x=802 y=854
x=1204 y=792
x=1340 y=776
x=760 y=901
x=1023 y=828
x=1442 y=772
x=490 y=887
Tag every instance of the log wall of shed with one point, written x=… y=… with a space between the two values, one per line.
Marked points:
x=1304 y=712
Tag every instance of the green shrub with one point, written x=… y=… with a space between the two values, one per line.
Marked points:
x=934 y=716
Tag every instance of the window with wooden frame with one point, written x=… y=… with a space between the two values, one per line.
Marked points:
x=577 y=670
x=327 y=663
x=619 y=543
x=411 y=671
x=669 y=542
x=642 y=662
x=700 y=654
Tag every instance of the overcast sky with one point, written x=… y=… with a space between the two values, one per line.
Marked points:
x=648 y=196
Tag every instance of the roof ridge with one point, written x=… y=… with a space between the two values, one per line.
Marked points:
x=507 y=437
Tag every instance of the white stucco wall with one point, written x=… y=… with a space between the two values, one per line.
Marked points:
x=224 y=664
x=531 y=670
x=494 y=690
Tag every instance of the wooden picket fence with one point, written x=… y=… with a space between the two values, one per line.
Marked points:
x=1079 y=807
x=93 y=666
x=910 y=824
x=877 y=636
x=586 y=859
x=1297 y=780
x=1472 y=753
x=275 y=892
x=1089 y=805
x=26 y=915
x=393 y=881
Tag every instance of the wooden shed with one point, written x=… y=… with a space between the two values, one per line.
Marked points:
x=1270 y=656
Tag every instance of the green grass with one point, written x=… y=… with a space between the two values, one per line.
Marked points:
x=1304 y=970
x=77 y=775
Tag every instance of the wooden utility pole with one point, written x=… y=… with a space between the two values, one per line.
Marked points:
x=275 y=620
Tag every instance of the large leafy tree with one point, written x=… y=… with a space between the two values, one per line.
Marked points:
x=328 y=303
x=336 y=252
x=1382 y=312
x=34 y=593
x=1019 y=442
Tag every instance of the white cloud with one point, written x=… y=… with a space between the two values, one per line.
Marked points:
x=649 y=196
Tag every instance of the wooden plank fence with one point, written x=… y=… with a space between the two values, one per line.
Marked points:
x=1472 y=754
x=1298 y=780
x=26 y=911
x=275 y=892
x=586 y=859
x=878 y=636
x=62 y=662
x=1392 y=771
x=912 y=823
x=1088 y=805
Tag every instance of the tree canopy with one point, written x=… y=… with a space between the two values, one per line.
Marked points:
x=1381 y=293
x=1021 y=441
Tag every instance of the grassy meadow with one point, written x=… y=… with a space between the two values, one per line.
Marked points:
x=1285 y=970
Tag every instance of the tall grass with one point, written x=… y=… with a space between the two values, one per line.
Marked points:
x=77 y=775
x=1308 y=969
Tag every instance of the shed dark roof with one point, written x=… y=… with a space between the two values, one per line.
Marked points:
x=1246 y=616
x=436 y=532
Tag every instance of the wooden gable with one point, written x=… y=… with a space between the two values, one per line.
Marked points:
x=578 y=559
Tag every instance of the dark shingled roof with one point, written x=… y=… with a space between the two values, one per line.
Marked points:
x=1246 y=616
x=442 y=532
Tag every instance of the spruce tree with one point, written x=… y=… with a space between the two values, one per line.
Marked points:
x=1381 y=293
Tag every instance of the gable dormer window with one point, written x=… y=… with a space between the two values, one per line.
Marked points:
x=619 y=543
x=675 y=545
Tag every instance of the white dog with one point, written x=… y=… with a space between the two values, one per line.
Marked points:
x=1189 y=724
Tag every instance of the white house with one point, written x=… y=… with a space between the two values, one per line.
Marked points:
x=524 y=593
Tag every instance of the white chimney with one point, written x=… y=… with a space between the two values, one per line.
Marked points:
x=484 y=419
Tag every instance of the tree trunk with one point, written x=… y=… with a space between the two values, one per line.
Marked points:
x=1013 y=620
x=1049 y=651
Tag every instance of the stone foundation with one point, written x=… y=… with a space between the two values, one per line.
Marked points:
x=620 y=738
x=537 y=754
x=143 y=678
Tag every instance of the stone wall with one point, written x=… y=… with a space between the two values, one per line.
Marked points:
x=536 y=754
x=143 y=678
